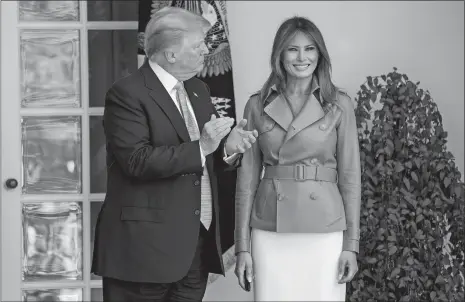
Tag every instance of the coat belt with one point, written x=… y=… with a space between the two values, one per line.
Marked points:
x=301 y=173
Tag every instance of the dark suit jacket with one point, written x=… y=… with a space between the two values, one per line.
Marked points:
x=148 y=227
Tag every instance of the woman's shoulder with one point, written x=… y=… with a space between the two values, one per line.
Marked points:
x=254 y=100
x=343 y=100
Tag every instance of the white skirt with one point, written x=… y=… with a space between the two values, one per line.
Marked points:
x=296 y=266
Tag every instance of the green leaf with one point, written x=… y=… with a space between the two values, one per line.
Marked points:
x=407 y=183
x=371 y=260
x=395 y=272
x=440 y=166
x=432 y=295
x=399 y=167
x=417 y=162
x=419 y=235
x=414 y=176
x=447 y=182
x=406 y=251
x=370 y=203
x=368 y=193
x=426 y=202
x=442 y=174
x=440 y=280
x=391 y=286
x=412 y=201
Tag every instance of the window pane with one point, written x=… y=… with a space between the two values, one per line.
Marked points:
x=65 y=294
x=52 y=235
x=112 y=10
x=95 y=207
x=51 y=152
x=48 y=10
x=98 y=156
x=50 y=68
x=96 y=294
x=112 y=55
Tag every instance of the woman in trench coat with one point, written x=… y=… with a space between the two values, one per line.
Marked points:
x=298 y=188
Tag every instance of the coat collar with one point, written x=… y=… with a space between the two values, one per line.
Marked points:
x=167 y=80
x=278 y=109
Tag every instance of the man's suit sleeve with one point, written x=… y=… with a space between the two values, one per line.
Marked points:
x=128 y=138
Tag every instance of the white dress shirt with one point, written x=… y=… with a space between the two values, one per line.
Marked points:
x=169 y=81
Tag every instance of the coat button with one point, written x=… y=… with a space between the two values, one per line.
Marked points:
x=196 y=182
x=280 y=197
x=323 y=127
x=313 y=196
x=197 y=212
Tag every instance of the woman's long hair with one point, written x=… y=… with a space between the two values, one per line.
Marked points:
x=285 y=33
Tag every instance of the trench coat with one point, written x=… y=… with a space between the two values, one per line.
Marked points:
x=303 y=173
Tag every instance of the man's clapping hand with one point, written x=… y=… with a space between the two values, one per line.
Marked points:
x=213 y=132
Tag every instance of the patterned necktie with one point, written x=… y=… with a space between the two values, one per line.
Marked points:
x=194 y=133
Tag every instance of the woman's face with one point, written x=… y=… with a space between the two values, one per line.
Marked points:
x=300 y=57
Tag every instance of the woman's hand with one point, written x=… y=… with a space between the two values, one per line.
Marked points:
x=347 y=266
x=244 y=263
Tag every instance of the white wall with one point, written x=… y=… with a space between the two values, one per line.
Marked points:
x=424 y=39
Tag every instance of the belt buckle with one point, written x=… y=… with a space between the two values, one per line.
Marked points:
x=299 y=172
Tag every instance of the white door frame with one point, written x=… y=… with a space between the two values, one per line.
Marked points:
x=11 y=200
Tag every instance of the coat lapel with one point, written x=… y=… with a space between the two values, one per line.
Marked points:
x=163 y=99
x=309 y=114
x=201 y=105
x=280 y=112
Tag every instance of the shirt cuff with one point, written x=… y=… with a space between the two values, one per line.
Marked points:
x=229 y=159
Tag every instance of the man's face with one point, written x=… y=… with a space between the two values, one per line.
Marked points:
x=190 y=56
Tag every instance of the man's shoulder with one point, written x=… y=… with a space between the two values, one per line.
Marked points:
x=133 y=81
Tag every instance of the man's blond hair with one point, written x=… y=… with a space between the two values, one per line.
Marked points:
x=168 y=27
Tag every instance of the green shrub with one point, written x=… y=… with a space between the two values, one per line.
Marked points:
x=412 y=215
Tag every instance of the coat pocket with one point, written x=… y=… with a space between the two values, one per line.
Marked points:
x=142 y=214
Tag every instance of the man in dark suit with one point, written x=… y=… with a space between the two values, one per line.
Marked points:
x=157 y=234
